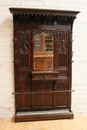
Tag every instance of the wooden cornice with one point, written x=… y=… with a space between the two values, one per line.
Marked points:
x=43 y=12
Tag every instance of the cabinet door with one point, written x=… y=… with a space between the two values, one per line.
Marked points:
x=63 y=65
x=23 y=70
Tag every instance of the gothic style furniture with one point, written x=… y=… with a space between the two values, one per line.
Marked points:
x=42 y=63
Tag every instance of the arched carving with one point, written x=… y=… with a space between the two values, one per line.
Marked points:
x=36 y=31
x=62 y=42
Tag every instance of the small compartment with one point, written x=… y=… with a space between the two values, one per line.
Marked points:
x=24 y=75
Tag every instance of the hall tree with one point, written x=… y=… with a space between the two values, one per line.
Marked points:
x=42 y=63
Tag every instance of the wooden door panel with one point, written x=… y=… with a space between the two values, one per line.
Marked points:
x=23 y=98
x=62 y=48
x=43 y=98
x=61 y=99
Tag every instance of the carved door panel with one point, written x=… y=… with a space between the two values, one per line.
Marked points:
x=62 y=47
x=47 y=62
x=23 y=70
x=38 y=63
x=63 y=51
x=43 y=63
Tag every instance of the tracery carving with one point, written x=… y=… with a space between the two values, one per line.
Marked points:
x=62 y=42
x=23 y=42
x=36 y=31
x=23 y=36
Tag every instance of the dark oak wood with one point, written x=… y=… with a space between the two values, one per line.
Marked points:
x=42 y=79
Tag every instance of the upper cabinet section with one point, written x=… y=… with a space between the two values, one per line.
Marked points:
x=45 y=35
x=43 y=16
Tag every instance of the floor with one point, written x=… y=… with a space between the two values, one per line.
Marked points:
x=78 y=123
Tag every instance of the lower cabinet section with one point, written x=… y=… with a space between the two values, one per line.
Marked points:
x=42 y=99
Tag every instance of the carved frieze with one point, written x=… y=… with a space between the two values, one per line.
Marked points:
x=36 y=31
x=43 y=16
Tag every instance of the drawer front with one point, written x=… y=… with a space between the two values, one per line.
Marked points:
x=44 y=76
x=24 y=76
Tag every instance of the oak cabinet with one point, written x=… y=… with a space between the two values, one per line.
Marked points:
x=42 y=63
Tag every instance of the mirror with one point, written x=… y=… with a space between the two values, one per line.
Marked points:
x=43 y=51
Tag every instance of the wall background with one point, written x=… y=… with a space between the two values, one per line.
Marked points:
x=79 y=71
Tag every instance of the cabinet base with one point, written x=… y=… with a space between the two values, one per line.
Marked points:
x=43 y=115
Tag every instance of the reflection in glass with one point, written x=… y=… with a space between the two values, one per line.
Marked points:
x=43 y=51
x=37 y=43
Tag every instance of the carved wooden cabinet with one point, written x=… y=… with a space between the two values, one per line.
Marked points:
x=42 y=63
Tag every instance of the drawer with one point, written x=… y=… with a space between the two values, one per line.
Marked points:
x=24 y=75
x=44 y=76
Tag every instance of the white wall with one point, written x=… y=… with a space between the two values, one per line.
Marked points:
x=79 y=81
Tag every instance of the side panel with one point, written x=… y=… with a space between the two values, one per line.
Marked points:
x=23 y=69
x=63 y=97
